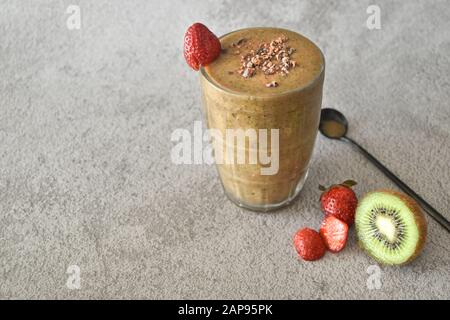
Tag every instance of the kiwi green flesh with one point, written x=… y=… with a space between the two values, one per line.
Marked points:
x=386 y=228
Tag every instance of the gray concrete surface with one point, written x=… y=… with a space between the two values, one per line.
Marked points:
x=86 y=178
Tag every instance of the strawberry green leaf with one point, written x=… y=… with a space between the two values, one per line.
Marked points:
x=349 y=183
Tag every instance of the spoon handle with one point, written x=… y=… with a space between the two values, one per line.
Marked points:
x=425 y=205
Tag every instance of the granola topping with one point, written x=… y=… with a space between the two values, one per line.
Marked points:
x=270 y=58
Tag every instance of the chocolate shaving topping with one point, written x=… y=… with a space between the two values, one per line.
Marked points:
x=241 y=41
x=271 y=58
x=238 y=43
x=272 y=84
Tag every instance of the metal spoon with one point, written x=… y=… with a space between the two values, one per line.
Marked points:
x=334 y=125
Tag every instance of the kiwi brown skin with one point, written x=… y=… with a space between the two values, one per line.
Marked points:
x=419 y=218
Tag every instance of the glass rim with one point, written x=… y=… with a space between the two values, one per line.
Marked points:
x=270 y=95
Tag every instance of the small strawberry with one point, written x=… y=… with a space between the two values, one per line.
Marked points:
x=201 y=46
x=309 y=244
x=340 y=201
x=334 y=233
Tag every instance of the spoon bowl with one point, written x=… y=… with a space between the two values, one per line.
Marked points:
x=333 y=124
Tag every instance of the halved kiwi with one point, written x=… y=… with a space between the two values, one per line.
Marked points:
x=390 y=227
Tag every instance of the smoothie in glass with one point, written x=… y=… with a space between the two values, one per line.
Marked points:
x=265 y=78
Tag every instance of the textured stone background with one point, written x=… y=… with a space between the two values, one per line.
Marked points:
x=86 y=177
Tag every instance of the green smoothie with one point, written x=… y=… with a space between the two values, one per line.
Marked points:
x=265 y=78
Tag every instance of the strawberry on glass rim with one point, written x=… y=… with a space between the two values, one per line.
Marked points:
x=201 y=46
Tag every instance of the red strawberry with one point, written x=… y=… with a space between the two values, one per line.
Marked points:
x=201 y=46
x=309 y=244
x=340 y=201
x=334 y=233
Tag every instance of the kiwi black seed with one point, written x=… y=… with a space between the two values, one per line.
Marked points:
x=390 y=227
